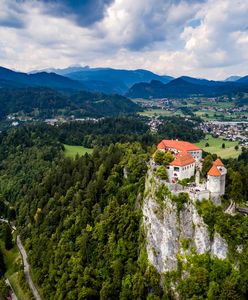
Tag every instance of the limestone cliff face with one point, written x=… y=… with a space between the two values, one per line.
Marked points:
x=171 y=234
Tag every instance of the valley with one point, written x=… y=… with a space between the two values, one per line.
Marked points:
x=123 y=150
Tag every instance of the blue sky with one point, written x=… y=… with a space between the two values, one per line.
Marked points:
x=203 y=38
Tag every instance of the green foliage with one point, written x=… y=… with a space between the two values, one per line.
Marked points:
x=80 y=219
x=237 y=187
x=4 y=290
x=2 y=265
x=163 y=157
x=7 y=237
x=179 y=128
x=233 y=228
x=210 y=279
x=180 y=200
x=44 y=103
x=207 y=164
x=161 y=173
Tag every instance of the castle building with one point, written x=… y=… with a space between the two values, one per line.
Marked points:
x=176 y=146
x=187 y=163
x=187 y=156
x=216 y=178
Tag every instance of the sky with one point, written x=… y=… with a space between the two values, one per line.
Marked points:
x=200 y=38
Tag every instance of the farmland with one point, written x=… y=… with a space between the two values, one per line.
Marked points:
x=215 y=147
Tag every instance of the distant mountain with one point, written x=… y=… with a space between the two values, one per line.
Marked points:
x=9 y=78
x=243 y=80
x=185 y=87
x=233 y=78
x=64 y=71
x=202 y=81
x=109 y=80
x=46 y=103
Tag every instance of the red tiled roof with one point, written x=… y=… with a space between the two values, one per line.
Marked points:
x=218 y=163
x=214 y=171
x=179 y=145
x=182 y=159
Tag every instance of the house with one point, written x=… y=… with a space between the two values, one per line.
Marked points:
x=176 y=146
x=187 y=157
x=186 y=164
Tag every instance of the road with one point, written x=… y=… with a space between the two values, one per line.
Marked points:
x=27 y=268
x=12 y=293
x=25 y=261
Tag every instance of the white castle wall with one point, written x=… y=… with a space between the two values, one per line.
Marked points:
x=181 y=172
x=197 y=154
x=213 y=184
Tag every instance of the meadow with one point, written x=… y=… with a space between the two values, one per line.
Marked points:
x=215 y=147
x=160 y=112
x=72 y=151
x=14 y=267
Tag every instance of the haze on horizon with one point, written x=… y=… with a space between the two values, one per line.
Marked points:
x=200 y=38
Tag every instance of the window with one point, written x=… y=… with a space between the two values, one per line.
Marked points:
x=176 y=169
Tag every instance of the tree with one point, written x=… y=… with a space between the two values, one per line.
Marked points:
x=168 y=157
x=161 y=173
x=236 y=187
x=4 y=290
x=7 y=237
x=207 y=145
x=159 y=157
x=2 y=264
x=223 y=146
x=236 y=147
x=207 y=164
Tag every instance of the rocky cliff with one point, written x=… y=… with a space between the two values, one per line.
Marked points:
x=173 y=232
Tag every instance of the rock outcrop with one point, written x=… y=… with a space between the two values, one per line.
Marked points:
x=173 y=233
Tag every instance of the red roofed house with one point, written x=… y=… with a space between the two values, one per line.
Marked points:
x=187 y=154
x=179 y=146
x=216 y=178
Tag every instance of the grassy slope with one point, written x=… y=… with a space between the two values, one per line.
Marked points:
x=72 y=151
x=215 y=146
x=160 y=112
x=13 y=262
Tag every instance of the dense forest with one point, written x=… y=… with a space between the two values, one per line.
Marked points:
x=122 y=129
x=81 y=220
x=42 y=102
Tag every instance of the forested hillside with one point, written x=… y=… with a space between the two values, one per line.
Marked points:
x=125 y=129
x=184 y=87
x=46 y=103
x=81 y=220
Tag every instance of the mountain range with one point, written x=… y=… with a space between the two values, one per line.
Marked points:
x=132 y=83
x=188 y=87
x=107 y=80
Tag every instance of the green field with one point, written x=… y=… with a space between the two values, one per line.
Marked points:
x=13 y=263
x=72 y=151
x=215 y=147
x=159 y=112
x=221 y=116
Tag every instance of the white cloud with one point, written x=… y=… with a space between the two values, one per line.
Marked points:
x=196 y=38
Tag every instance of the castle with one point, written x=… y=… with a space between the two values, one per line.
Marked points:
x=188 y=163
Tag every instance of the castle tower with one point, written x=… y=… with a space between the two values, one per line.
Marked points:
x=216 y=178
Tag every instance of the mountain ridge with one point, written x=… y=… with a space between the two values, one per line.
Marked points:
x=187 y=87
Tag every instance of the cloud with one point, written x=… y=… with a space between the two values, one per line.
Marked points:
x=83 y=12
x=12 y=15
x=139 y=24
x=196 y=38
